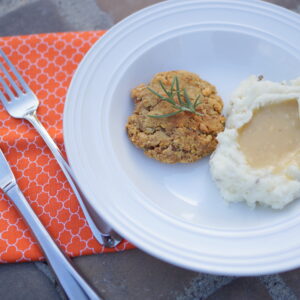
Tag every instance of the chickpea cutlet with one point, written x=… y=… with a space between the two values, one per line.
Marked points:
x=177 y=117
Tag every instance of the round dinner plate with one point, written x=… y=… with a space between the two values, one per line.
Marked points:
x=175 y=212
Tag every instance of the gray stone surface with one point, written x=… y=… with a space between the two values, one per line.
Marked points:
x=25 y=281
x=246 y=288
x=204 y=285
x=119 y=11
x=132 y=274
x=43 y=267
x=19 y=17
x=292 y=279
x=40 y=16
x=290 y=4
x=277 y=288
x=83 y=15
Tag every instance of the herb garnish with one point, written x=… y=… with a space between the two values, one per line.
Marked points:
x=185 y=103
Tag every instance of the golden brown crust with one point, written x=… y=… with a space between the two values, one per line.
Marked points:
x=185 y=137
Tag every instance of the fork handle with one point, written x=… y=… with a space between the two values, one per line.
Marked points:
x=71 y=281
x=102 y=231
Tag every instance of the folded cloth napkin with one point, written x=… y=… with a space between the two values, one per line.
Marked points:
x=47 y=62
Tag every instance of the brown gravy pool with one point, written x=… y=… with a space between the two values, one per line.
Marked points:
x=272 y=137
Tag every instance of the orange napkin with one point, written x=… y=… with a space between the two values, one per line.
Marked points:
x=47 y=62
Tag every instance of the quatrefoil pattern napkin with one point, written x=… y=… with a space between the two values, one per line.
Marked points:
x=47 y=62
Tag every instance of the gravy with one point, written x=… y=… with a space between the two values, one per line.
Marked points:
x=272 y=137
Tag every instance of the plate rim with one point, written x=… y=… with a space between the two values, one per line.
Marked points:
x=72 y=158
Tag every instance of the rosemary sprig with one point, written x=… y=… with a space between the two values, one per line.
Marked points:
x=185 y=103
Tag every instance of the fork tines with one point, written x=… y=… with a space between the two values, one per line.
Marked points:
x=9 y=85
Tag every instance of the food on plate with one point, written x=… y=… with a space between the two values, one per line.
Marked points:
x=257 y=159
x=177 y=117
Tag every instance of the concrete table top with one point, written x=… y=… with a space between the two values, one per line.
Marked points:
x=132 y=274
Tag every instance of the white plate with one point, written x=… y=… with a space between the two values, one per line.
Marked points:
x=175 y=212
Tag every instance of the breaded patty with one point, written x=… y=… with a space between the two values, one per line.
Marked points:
x=185 y=137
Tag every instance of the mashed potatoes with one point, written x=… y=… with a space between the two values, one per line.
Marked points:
x=257 y=159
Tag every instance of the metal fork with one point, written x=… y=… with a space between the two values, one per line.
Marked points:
x=20 y=102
